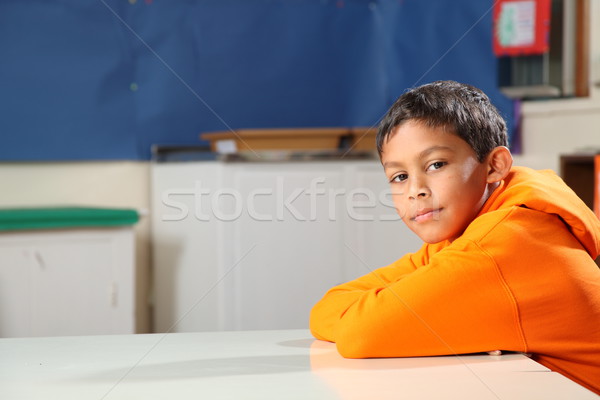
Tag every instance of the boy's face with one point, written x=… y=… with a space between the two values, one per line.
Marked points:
x=438 y=185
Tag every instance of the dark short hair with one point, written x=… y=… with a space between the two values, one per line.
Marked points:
x=461 y=108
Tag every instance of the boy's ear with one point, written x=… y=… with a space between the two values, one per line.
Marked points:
x=499 y=163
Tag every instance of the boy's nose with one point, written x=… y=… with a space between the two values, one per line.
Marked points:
x=418 y=190
x=422 y=194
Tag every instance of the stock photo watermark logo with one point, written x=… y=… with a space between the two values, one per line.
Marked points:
x=278 y=202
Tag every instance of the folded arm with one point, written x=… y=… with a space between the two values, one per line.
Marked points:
x=456 y=302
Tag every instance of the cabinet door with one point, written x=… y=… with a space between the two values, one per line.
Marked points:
x=16 y=267
x=73 y=283
x=284 y=248
x=185 y=237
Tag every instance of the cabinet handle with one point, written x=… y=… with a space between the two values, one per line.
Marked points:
x=113 y=294
x=40 y=260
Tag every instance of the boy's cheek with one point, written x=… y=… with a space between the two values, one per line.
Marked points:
x=402 y=210
x=399 y=205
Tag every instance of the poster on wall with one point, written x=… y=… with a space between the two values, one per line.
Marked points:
x=521 y=27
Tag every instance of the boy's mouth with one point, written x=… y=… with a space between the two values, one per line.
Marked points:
x=426 y=214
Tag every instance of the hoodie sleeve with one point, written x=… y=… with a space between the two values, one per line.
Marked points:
x=456 y=302
x=325 y=315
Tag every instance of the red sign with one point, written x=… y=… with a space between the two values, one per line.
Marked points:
x=521 y=27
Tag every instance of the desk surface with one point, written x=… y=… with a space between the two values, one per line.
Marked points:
x=257 y=365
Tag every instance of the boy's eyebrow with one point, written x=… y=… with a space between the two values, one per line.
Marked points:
x=431 y=149
x=422 y=154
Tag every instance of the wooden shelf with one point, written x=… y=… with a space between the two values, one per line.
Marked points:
x=245 y=140
x=577 y=170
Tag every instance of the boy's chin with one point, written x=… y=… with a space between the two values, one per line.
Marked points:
x=433 y=238
x=433 y=241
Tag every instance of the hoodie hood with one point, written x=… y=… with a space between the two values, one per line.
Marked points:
x=547 y=192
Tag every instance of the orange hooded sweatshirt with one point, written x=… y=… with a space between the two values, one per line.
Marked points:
x=520 y=278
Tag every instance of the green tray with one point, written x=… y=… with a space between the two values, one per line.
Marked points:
x=64 y=217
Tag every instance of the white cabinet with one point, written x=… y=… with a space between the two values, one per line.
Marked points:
x=67 y=282
x=254 y=245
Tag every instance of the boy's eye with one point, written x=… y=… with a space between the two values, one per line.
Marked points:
x=399 y=178
x=436 y=165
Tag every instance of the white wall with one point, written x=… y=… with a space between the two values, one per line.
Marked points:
x=550 y=130
x=96 y=184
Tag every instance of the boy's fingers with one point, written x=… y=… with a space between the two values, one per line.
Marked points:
x=495 y=353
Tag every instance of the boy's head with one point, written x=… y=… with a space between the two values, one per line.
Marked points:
x=456 y=107
x=443 y=148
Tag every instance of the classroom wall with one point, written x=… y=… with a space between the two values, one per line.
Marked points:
x=106 y=80
x=95 y=83
x=550 y=128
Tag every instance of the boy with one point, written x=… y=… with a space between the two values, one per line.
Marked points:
x=508 y=259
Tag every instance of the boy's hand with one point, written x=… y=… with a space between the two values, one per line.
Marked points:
x=499 y=353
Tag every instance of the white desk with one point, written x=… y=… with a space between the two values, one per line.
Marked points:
x=257 y=365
